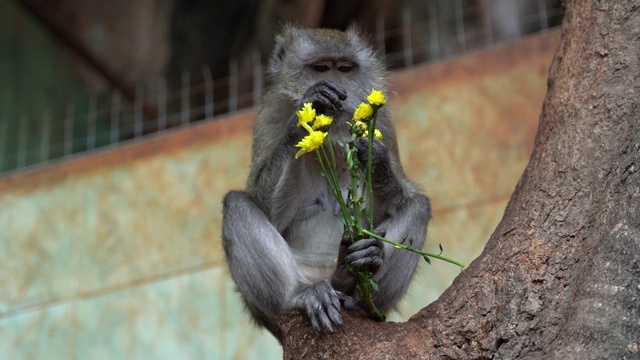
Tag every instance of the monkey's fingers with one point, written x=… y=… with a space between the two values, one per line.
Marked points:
x=325 y=95
x=362 y=144
x=346 y=239
x=333 y=316
x=323 y=316
x=362 y=244
x=370 y=258
x=338 y=90
x=322 y=305
x=316 y=320
x=379 y=150
x=382 y=232
x=331 y=304
x=329 y=98
x=347 y=301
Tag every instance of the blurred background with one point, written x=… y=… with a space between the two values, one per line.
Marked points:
x=124 y=123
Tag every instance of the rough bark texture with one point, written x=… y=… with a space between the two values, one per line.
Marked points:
x=560 y=276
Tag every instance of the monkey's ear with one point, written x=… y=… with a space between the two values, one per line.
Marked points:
x=280 y=48
x=357 y=36
x=353 y=29
x=367 y=57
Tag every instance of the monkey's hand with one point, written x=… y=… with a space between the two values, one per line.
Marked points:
x=364 y=254
x=380 y=162
x=383 y=178
x=322 y=305
x=326 y=96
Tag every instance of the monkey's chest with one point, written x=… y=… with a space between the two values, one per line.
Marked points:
x=314 y=236
x=315 y=232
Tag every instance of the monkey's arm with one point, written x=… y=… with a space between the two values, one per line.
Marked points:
x=408 y=221
x=275 y=177
x=266 y=272
x=393 y=268
x=402 y=213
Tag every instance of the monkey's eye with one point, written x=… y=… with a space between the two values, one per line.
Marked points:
x=320 y=67
x=345 y=68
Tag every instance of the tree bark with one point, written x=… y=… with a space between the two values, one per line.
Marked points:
x=560 y=276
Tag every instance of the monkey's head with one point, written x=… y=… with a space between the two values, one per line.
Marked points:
x=303 y=57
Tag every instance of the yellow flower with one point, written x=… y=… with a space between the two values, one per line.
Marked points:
x=306 y=114
x=358 y=128
x=323 y=122
x=361 y=125
x=376 y=98
x=363 y=112
x=310 y=142
x=376 y=133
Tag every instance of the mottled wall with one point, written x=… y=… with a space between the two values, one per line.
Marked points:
x=118 y=255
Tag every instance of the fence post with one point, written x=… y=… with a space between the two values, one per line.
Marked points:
x=257 y=77
x=116 y=102
x=137 y=112
x=162 y=105
x=184 y=99
x=45 y=136
x=4 y=126
x=208 y=92
x=233 y=86
x=406 y=37
x=91 y=123
x=68 y=131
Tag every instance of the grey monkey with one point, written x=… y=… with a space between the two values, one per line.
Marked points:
x=282 y=235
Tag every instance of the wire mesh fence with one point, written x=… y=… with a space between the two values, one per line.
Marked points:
x=113 y=120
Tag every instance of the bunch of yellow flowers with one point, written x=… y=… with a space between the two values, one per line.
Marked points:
x=352 y=206
x=318 y=125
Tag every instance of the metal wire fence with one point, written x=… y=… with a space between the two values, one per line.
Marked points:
x=114 y=120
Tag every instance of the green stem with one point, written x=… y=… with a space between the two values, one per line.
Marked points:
x=409 y=248
x=334 y=184
x=372 y=129
x=357 y=205
x=364 y=290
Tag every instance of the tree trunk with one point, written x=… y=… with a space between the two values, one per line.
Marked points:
x=560 y=276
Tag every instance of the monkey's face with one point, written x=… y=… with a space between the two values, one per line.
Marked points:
x=335 y=69
x=303 y=57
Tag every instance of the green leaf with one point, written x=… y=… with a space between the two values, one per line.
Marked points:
x=426 y=258
x=348 y=267
x=342 y=219
x=374 y=284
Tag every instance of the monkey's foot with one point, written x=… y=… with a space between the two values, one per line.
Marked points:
x=322 y=305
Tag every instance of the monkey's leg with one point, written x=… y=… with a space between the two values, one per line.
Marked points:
x=265 y=272
x=403 y=215
x=407 y=222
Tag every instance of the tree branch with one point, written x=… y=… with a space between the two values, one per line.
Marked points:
x=560 y=275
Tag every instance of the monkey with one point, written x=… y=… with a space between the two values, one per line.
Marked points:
x=281 y=235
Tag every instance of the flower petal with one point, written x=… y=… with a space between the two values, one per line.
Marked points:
x=376 y=98
x=307 y=114
x=363 y=112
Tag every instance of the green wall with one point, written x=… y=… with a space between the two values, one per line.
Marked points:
x=37 y=76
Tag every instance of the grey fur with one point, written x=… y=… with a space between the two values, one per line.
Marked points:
x=281 y=236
